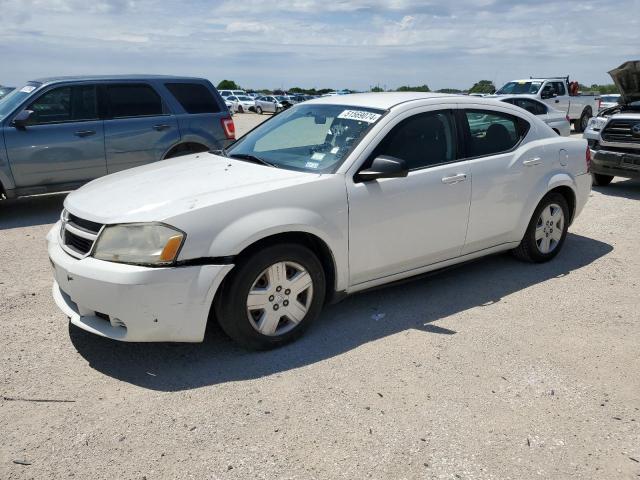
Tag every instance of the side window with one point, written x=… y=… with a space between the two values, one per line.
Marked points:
x=194 y=97
x=52 y=107
x=133 y=100
x=493 y=132
x=421 y=141
x=531 y=106
x=559 y=87
x=65 y=104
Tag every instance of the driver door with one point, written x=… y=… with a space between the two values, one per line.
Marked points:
x=400 y=224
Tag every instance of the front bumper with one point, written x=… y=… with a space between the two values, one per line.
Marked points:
x=132 y=303
x=615 y=163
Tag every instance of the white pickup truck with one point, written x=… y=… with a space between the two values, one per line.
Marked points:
x=558 y=93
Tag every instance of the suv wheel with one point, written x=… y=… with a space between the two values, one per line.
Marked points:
x=547 y=230
x=272 y=296
x=601 y=180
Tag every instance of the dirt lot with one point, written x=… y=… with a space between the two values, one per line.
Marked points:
x=494 y=370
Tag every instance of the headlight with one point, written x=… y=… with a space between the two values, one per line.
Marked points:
x=139 y=243
x=596 y=123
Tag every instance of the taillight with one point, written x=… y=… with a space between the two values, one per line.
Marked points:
x=568 y=119
x=587 y=158
x=599 y=103
x=229 y=128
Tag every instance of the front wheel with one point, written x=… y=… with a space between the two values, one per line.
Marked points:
x=272 y=296
x=601 y=180
x=547 y=230
x=259 y=110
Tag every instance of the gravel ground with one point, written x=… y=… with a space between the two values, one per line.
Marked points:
x=494 y=370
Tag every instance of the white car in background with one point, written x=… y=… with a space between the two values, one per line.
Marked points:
x=330 y=197
x=557 y=120
x=242 y=103
x=608 y=100
x=269 y=104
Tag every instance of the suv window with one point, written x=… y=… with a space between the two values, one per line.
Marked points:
x=493 y=132
x=422 y=140
x=65 y=104
x=194 y=97
x=133 y=100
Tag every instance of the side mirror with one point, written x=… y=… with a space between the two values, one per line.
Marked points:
x=22 y=119
x=383 y=167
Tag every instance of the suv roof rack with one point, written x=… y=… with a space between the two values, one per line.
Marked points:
x=551 y=78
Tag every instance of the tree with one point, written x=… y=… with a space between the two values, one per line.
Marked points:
x=449 y=90
x=483 y=86
x=407 y=88
x=228 y=85
x=377 y=89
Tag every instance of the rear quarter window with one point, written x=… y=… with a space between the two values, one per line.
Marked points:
x=194 y=97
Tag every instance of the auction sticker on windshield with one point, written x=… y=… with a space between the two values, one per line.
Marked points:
x=360 y=115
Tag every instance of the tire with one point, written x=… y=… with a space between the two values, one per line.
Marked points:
x=581 y=124
x=600 y=180
x=543 y=241
x=240 y=109
x=262 y=328
x=259 y=110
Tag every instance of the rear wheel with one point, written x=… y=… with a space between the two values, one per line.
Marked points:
x=272 y=296
x=601 y=180
x=547 y=230
x=581 y=124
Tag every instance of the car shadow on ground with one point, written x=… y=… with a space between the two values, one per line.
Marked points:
x=342 y=327
x=31 y=211
x=625 y=189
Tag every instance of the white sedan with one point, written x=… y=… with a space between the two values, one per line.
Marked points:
x=328 y=198
x=557 y=120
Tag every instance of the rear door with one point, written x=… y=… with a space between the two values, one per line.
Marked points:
x=139 y=127
x=504 y=170
x=64 y=141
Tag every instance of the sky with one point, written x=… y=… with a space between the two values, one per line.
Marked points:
x=323 y=44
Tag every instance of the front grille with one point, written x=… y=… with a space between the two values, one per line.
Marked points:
x=79 y=244
x=78 y=235
x=620 y=131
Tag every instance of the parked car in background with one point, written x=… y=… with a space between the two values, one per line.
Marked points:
x=62 y=132
x=307 y=208
x=558 y=93
x=268 y=104
x=608 y=101
x=557 y=120
x=614 y=136
x=244 y=103
x=5 y=90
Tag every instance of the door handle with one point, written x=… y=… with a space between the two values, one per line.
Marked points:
x=557 y=101
x=461 y=177
x=161 y=127
x=85 y=133
x=532 y=162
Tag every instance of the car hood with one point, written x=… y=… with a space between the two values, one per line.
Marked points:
x=627 y=79
x=168 y=188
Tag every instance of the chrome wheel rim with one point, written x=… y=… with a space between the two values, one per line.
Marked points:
x=279 y=298
x=549 y=228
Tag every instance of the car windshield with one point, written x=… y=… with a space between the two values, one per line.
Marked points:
x=14 y=98
x=609 y=99
x=518 y=88
x=281 y=98
x=245 y=99
x=310 y=138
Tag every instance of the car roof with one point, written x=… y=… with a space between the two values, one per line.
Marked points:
x=388 y=100
x=78 y=78
x=508 y=97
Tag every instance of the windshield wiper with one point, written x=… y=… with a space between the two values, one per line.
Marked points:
x=221 y=152
x=253 y=159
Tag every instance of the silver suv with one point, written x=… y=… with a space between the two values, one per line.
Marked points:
x=58 y=133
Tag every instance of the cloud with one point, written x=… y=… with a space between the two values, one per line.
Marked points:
x=341 y=43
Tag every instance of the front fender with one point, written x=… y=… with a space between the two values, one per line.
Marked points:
x=251 y=228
